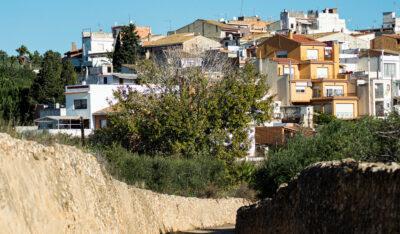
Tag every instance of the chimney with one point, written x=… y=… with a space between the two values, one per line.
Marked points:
x=74 y=47
x=290 y=34
x=335 y=58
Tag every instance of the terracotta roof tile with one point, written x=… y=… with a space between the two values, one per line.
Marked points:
x=304 y=40
x=395 y=36
x=174 y=39
x=285 y=60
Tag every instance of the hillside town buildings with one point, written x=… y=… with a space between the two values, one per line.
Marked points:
x=314 y=63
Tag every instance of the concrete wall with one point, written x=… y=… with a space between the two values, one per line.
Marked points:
x=203 y=28
x=200 y=44
x=347 y=41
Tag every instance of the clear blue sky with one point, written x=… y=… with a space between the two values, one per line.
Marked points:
x=54 y=24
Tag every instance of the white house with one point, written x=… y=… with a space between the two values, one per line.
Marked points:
x=95 y=47
x=346 y=41
x=313 y=21
x=391 y=22
x=82 y=102
x=378 y=82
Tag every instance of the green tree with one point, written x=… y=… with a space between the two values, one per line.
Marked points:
x=36 y=59
x=3 y=57
x=192 y=115
x=48 y=86
x=127 y=48
x=15 y=83
x=68 y=74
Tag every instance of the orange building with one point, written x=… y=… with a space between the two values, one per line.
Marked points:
x=303 y=71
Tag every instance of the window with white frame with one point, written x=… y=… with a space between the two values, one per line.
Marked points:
x=334 y=91
x=322 y=72
x=312 y=54
x=389 y=70
x=379 y=90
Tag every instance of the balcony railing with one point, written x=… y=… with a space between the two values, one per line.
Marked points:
x=343 y=76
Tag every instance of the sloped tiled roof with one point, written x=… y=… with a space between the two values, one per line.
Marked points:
x=319 y=35
x=174 y=39
x=285 y=60
x=143 y=32
x=304 y=40
x=219 y=24
x=395 y=36
x=255 y=36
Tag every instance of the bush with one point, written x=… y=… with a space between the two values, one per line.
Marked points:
x=367 y=139
x=202 y=177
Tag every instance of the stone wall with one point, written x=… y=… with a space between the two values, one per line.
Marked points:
x=60 y=189
x=332 y=197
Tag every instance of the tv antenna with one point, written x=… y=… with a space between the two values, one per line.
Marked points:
x=241 y=7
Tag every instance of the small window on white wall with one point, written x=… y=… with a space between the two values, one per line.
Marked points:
x=312 y=54
x=322 y=72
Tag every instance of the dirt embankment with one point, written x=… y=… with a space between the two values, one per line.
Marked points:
x=60 y=189
x=330 y=197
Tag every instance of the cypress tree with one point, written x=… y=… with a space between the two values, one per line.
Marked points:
x=127 y=48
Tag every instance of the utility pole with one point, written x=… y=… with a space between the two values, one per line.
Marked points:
x=369 y=85
x=241 y=8
x=82 y=131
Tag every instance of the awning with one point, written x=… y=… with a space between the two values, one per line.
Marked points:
x=56 y=118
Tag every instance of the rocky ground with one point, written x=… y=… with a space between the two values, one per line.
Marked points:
x=60 y=189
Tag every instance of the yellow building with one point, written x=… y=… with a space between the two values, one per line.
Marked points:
x=303 y=71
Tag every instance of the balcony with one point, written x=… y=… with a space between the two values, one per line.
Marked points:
x=343 y=76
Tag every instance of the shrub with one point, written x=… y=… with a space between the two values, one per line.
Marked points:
x=186 y=177
x=367 y=139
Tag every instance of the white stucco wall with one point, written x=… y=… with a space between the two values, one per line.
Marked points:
x=99 y=97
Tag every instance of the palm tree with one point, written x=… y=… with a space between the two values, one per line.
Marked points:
x=22 y=52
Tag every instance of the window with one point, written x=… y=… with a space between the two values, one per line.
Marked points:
x=334 y=91
x=322 y=72
x=282 y=54
x=291 y=26
x=121 y=81
x=80 y=104
x=379 y=90
x=312 y=54
x=104 y=80
x=300 y=89
x=389 y=70
x=379 y=109
x=109 y=69
x=316 y=92
x=288 y=71
x=103 y=123
x=328 y=52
